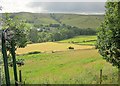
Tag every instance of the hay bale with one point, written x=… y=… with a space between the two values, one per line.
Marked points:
x=70 y=47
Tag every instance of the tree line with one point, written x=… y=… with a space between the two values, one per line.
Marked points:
x=56 y=32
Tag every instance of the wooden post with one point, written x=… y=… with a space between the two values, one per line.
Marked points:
x=20 y=77
x=5 y=60
x=118 y=76
x=0 y=77
x=14 y=62
x=100 y=76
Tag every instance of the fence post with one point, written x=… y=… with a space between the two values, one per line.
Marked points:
x=118 y=76
x=100 y=76
x=14 y=62
x=20 y=77
x=0 y=77
x=5 y=60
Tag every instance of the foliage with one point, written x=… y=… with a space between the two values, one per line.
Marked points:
x=108 y=41
x=56 y=32
x=33 y=35
x=16 y=31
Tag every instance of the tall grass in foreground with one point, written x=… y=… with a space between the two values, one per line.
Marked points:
x=68 y=67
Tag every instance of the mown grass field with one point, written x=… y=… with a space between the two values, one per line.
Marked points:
x=67 y=67
x=83 y=40
x=50 y=47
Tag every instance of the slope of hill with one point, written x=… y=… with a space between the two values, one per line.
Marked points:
x=78 y=20
x=36 y=18
x=83 y=21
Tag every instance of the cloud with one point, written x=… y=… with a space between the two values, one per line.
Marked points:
x=89 y=7
x=15 y=5
x=70 y=0
x=58 y=6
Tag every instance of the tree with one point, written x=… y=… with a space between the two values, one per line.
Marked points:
x=33 y=35
x=108 y=37
x=17 y=28
x=13 y=36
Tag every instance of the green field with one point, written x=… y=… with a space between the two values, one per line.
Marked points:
x=83 y=40
x=67 y=67
x=79 y=66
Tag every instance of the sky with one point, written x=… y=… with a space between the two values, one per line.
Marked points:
x=53 y=6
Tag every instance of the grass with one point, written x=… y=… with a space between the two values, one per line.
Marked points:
x=82 y=21
x=68 y=67
x=79 y=66
x=83 y=40
x=49 y=47
x=37 y=18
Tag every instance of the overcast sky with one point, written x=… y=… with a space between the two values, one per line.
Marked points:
x=59 y=6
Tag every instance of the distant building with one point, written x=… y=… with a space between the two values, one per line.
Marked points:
x=39 y=29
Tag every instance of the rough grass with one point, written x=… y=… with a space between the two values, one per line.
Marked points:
x=82 y=21
x=84 y=40
x=68 y=67
x=41 y=18
x=49 y=47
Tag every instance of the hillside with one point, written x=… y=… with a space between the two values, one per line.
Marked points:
x=35 y=18
x=82 y=21
x=78 y=20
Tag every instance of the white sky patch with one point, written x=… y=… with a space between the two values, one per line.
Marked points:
x=17 y=6
x=70 y=0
